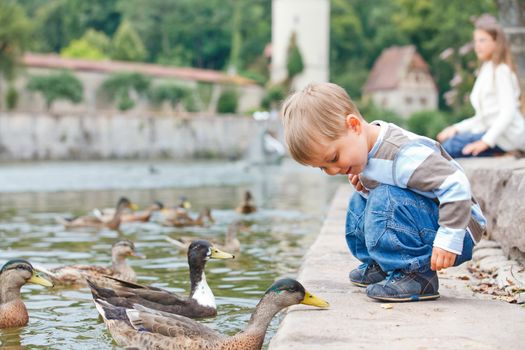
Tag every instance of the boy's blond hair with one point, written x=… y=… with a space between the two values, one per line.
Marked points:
x=317 y=112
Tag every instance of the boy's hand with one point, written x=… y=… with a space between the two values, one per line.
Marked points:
x=354 y=180
x=441 y=259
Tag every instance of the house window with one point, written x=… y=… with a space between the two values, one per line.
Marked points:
x=408 y=100
x=423 y=101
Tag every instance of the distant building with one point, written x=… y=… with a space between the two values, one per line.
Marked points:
x=310 y=21
x=401 y=81
x=93 y=73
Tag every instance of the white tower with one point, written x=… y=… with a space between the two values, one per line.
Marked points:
x=310 y=21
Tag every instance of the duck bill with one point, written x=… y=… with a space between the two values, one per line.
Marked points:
x=37 y=278
x=217 y=254
x=133 y=207
x=312 y=300
x=138 y=255
x=186 y=205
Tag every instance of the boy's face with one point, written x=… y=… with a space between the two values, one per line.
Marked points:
x=347 y=154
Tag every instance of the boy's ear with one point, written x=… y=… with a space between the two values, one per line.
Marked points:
x=354 y=123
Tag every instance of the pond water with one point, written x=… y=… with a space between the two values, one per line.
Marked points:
x=292 y=202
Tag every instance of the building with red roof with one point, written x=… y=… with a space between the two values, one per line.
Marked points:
x=400 y=81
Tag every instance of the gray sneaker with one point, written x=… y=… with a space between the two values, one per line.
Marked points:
x=401 y=286
x=366 y=274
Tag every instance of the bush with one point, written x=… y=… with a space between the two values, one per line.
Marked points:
x=172 y=93
x=295 y=63
x=118 y=87
x=53 y=87
x=274 y=96
x=228 y=102
x=11 y=98
x=427 y=123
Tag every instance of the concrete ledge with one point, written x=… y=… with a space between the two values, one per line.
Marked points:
x=499 y=186
x=458 y=320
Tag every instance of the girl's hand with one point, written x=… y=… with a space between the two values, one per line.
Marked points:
x=475 y=148
x=447 y=133
x=354 y=180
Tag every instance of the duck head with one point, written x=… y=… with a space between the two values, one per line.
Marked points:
x=18 y=272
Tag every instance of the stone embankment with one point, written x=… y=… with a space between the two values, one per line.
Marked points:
x=474 y=310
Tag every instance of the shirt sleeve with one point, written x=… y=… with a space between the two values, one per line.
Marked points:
x=422 y=168
x=507 y=104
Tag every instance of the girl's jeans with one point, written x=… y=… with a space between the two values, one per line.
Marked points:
x=455 y=144
x=395 y=227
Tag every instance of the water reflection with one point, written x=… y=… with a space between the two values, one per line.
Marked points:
x=292 y=202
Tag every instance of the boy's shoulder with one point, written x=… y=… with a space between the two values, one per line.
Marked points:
x=397 y=140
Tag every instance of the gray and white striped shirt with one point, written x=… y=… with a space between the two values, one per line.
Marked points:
x=403 y=159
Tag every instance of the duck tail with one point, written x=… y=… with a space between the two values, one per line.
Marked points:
x=100 y=292
x=111 y=312
x=176 y=242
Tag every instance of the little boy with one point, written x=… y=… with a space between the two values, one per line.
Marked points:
x=413 y=212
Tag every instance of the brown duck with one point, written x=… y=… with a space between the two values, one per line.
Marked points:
x=149 y=329
x=231 y=243
x=247 y=206
x=137 y=216
x=13 y=275
x=77 y=274
x=200 y=303
x=204 y=218
x=95 y=222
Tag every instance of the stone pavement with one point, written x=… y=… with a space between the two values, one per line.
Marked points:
x=460 y=319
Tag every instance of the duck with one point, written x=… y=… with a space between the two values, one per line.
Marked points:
x=13 y=275
x=148 y=329
x=76 y=275
x=143 y=216
x=231 y=242
x=200 y=303
x=203 y=219
x=93 y=221
x=179 y=212
x=247 y=206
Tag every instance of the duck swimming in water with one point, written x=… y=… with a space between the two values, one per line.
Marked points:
x=148 y=329
x=200 y=303
x=77 y=274
x=13 y=275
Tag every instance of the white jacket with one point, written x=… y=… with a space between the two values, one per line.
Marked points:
x=495 y=98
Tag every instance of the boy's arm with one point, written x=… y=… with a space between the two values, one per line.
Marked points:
x=423 y=169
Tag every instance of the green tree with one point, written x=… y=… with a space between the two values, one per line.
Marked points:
x=119 y=86
x=127 y=45
x=59 y=86
x=14 y=35
x=93 y=45
x=295 y=63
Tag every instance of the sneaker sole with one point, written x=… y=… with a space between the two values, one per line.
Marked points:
x=410 y=298
x=362 y=285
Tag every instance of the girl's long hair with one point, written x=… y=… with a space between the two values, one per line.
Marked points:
x=502 y=53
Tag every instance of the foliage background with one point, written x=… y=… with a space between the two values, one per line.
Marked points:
x=232 y=34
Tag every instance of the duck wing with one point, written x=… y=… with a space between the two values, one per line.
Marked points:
x=170 y=325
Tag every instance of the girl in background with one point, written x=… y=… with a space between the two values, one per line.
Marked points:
x=498 y=125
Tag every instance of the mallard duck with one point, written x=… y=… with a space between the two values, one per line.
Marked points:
x=13 y=275
x=147 y=329
x=231 y=243
x=179 y=212
x=77 y=274
x=201 y=302
x=93 y=221
x=203 y=219
x=247 y=206
x=143 y=216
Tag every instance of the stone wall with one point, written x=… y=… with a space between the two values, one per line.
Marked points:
x=37 y=136
x=499 y=186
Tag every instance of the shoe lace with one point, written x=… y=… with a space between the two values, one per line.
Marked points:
x=395 y=276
